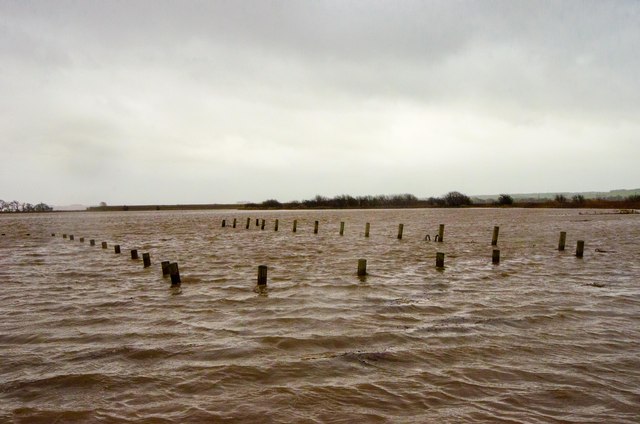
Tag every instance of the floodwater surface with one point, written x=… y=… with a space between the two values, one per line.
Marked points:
x=88 y=335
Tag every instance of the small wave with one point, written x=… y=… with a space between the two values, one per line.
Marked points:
x=61 y=382
x=52 y=416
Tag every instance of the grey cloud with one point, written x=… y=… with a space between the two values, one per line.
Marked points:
x=338 y=95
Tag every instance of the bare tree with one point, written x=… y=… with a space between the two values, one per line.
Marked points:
x=560 y=198
x=15 y=206
x=456 y=199
x=505 y=199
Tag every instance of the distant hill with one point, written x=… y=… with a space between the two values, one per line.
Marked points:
x=611 y=195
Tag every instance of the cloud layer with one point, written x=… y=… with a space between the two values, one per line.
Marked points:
x=198 y=102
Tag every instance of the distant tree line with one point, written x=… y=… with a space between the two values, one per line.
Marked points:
x=452 y=199
x=15 y=206
x=345 y=201
x=564 y=201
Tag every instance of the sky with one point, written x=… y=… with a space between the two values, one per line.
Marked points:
x=165 y=102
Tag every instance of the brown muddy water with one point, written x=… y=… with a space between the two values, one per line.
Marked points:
x=91 y=336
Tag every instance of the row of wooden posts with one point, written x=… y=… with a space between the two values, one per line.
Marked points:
x=438 y=237
x=171 y=268
x=261 y=223
x=362 y=263
x=168 y=268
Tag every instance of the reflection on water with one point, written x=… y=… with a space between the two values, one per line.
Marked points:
x=91 y=336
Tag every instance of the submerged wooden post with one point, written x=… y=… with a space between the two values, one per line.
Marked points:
x=362 y=267
x=53 y=234
x=116 y=248
x=92 y=242
x=580 y=248
x=64 y=236
x=134 y=253
x=262 y=225
x=234 y=222
x=71 y=237
x=104 y=244
x=441 y=234
x=494 y=238
x=315 y=227
x=165 y=267
x=400 y=230
x=495 y=257
x=146 y=260
x=174 y=272
x=81 y=239
x=562 y=241
x=439 y=260
x=262 y=275
x=224 y=223
x=342 y=228
x=248 y=222
x=295 y=225
x=275 y=227
x=367 y=227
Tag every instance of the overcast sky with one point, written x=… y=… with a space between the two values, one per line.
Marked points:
x=133 y=102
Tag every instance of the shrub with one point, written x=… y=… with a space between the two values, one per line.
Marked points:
x=271 y=203
x=505 y=199
x=456 y=199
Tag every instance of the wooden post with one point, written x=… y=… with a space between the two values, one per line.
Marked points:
x=494 y=238
x=580 y=248
x=248 y=222
x=562 y=241
x=116 y=248
x=495 y=257
x=165 y=267
x=104 y=244
x=134 y=253
x=315 y=227
x=81 y=239
x=234 y=222
x=362 y=267
x=71 y=237
x=262 y=275
x=400 y=230
x=224 y=223
x=257 y=222
x=53 y=234
x=174 y=272
x=342 y=228
x=439 y=260
x=367 y=226
x=262 y=225
x=275 y=228
x=92 y=242
x=64 y=236
x=295 y=225
x=441 y=235
x=146 y=260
